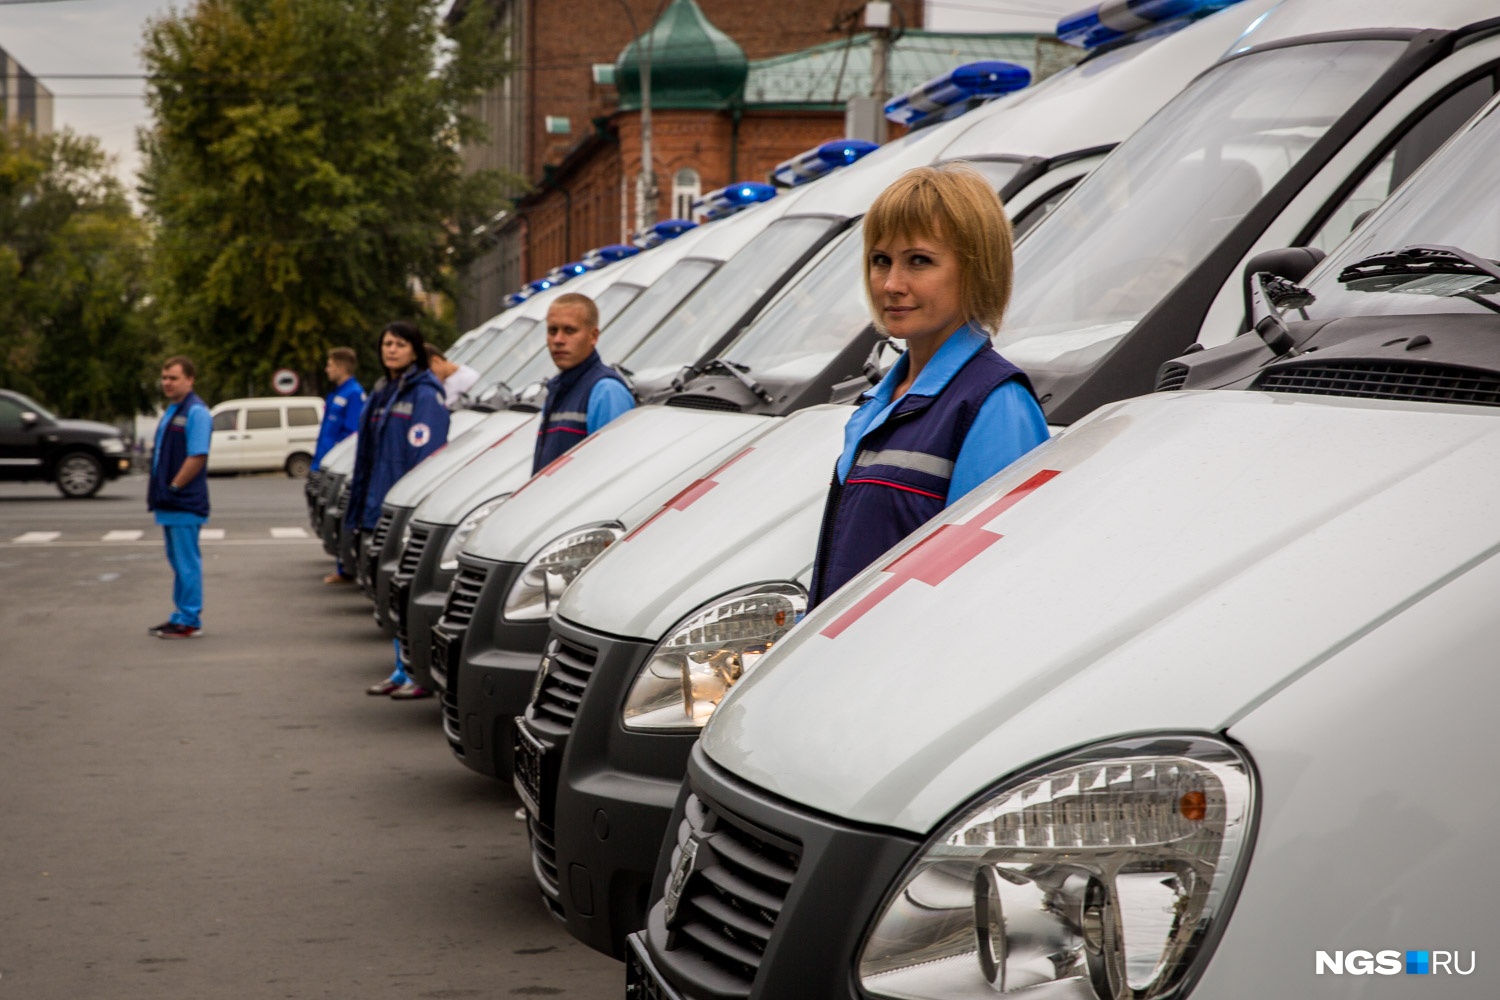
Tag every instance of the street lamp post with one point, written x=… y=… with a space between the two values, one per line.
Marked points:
x=646 y=210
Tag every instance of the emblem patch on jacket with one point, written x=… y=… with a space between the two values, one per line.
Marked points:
x=419 y=435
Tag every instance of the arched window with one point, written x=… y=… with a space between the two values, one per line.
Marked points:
x=686 y=187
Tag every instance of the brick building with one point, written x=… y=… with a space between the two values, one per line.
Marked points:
x=736 y=88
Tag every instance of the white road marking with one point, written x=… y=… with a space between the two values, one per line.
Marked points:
x=132 y=535
x=288 y=532
x=36 y=537
x=212 y=534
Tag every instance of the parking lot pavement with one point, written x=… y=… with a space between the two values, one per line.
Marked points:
x=231 y=816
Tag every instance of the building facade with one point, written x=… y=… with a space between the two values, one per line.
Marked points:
x=24 y=100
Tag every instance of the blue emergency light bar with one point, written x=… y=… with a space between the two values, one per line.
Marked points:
x=516 y=298
x=735 y=198
x=1112 y=20
x=567 y=272
x=608 y=254
x=820 y=160
x=539 y=285
x=668 y=229
x=942 y=96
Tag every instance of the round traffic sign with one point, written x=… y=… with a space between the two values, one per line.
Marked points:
x=285 y=381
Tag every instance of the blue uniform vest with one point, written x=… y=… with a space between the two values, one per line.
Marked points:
x=901 y=472
x=565 y=418
x=404 y=421
x=192 y=498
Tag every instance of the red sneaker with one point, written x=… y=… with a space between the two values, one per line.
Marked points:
x=179 y=632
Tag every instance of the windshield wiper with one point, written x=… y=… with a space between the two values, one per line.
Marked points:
x=737 y=370
x=1446 y=272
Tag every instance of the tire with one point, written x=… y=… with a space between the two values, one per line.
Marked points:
x=78 y=474
x=299 y=465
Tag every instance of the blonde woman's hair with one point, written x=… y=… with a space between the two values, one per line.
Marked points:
x=956 y=206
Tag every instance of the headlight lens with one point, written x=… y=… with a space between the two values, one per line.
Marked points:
x=1105 y=874
x=471 y=522
x=540 y=586
x=112 y=446
x=692 y=669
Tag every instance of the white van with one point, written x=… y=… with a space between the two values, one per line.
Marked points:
x=265 y=433
x=1196 y=699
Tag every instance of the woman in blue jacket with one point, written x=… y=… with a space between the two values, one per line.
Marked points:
x=951 y=412
x=404 y=421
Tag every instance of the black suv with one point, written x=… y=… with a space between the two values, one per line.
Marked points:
x=77 y=455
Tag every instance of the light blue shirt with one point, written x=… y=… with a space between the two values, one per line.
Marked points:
x=200 y=434
x=1008 y=425
x=608 y=399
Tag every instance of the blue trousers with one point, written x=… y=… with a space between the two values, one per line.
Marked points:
x=187 y=568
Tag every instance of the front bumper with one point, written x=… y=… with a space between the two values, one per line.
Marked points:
x=418 y=592
x=378 y=569
x=487 y=683
x=816 y=883
x=331 y=507
x=604 y=803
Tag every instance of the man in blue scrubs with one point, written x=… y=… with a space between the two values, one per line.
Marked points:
x=178 y=493
x=340 y=419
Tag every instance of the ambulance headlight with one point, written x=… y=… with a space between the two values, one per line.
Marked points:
x=535 y=594
x=691 y=670
x=471 y=522
x=1108 y=873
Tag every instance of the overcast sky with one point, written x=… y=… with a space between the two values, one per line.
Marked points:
x=61 y=40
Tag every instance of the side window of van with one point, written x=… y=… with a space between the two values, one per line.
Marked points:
x=260 y=420
x=226 y=420
x=1409 y=152
x=301 y=416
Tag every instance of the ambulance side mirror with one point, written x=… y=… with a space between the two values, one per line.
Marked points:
x=1291 y=263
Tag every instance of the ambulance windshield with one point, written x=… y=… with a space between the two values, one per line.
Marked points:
x=816 y=316
x=1129 y=232
x=1450 y=203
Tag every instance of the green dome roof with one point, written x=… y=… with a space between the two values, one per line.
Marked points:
x=693 y=63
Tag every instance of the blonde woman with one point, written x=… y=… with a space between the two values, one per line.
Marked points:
x=951 y=412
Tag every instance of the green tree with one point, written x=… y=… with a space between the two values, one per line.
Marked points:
x=303 y=173
x=74 y=331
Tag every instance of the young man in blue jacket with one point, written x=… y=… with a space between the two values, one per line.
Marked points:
x=178 y=494
x=341 y=412
x=586 y=393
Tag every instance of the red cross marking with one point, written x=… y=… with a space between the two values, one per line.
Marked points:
x=936 y=557
x=554 y=466
x=689 y=495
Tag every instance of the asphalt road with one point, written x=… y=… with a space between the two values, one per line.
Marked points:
x=231 y=816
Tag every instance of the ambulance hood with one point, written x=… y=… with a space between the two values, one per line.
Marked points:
x=469 y=433
x=1192 y=555
x=340 y=458
x=753 y=520
x=501 y=467
x=638 y=461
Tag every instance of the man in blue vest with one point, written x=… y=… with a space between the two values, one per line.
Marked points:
x=586 y=393
x=178 y=493
x=340 y=419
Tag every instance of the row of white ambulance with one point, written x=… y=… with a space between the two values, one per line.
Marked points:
x=1192 y=699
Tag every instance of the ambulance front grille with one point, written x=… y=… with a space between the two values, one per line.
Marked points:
x=1423 y=383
